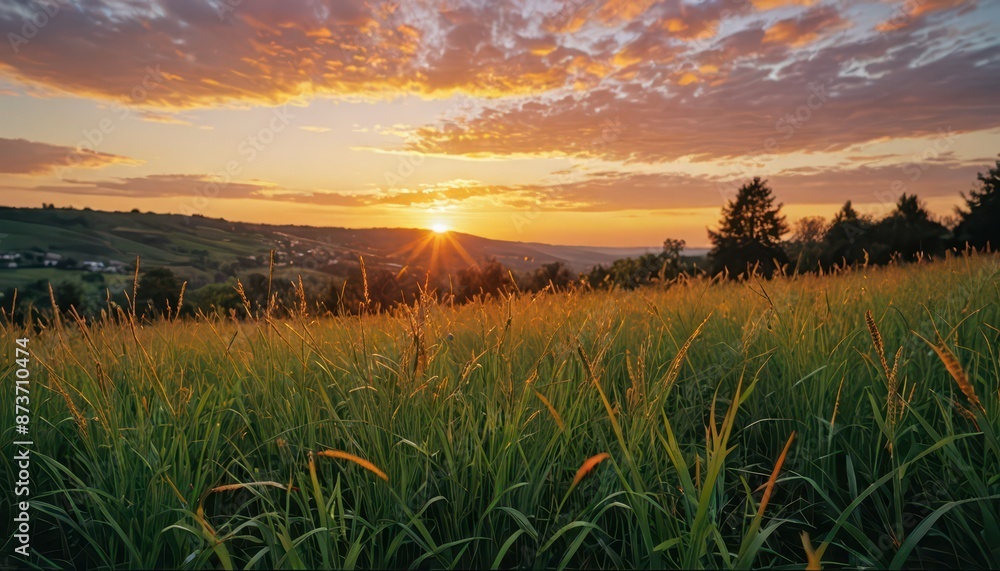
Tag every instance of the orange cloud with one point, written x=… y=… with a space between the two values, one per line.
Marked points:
x=19 y=156
x=803 y=30
x=738 y=110
x=615 y=10
x=764 y=5
x=262 y=52
x=688 y=78
x=546 y=85
x=909 y=11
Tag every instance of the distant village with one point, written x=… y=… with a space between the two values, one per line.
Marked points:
x=15 y=260
x=288 y=252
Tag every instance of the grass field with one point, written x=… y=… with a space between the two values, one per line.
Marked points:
x=736 y=418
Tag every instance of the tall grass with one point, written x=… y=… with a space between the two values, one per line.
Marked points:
x=703 y=424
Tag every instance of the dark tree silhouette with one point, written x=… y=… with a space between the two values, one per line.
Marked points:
x=909 y=230
x=159 y=288
x=848 y=238
x=555 y=273
x=67 y=295
x=672 y=250
x=371 y=290
x=630 y=273
x=218 y=298
x=749 y=235
x=256 y=288
x=980 y=220
x=805 y=248
x=489 y=278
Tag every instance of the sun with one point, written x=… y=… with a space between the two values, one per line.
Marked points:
x=439 y=228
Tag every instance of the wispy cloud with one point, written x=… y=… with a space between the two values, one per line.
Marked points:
x=19 y=156
x=314 y=129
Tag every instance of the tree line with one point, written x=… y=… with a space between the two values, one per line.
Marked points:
x=750 y=240
x=749 y=237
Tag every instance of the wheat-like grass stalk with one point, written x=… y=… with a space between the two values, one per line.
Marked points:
x=364 y=281
x=637 y=376
x=895 y=403
x=270 y=278
x=135 y=286
x=836 y=404
x=954 y=368
x=876 y=340
x=300 y=294
x=56 y=314
x=180 y=300
x=341 y=455
x=892 y=398
x=243 y=297
x=552 y=410
x=774 y=475
x=231 y=487
x=81 y=420
x=418 y=318
x=675 y=365
x=588 y=465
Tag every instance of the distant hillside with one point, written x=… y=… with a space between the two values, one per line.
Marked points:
x=40 y=242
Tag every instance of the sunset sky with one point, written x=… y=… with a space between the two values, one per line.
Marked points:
x=598 y=122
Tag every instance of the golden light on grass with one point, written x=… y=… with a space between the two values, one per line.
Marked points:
x=588 y=466
x=876 y=339
x=895 y=402
x=231 y=487
x=954 y=367
x=774 y=475
x=812 y=557
x=552 y=410
x=341 y=455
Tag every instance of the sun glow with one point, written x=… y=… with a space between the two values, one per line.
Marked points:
x=439 y=228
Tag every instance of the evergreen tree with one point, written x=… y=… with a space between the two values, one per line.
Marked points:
x=749 y=235
x=847 y=238
x=980 y=221
x=907 y=232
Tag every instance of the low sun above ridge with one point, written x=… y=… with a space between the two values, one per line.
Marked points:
x=439 y=228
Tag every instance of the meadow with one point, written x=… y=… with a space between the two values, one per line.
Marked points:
x=842 y=420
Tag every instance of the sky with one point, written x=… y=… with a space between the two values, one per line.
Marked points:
x=586 y=122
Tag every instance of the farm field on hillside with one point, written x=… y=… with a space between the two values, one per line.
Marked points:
x=843 y=420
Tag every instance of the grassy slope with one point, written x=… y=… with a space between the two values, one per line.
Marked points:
x=478 y=468
x=122 y=236
x=166 y=240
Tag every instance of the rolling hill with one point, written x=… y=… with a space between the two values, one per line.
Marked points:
x=208 y=249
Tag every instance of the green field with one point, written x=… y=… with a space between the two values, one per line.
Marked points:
x=480 y=416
